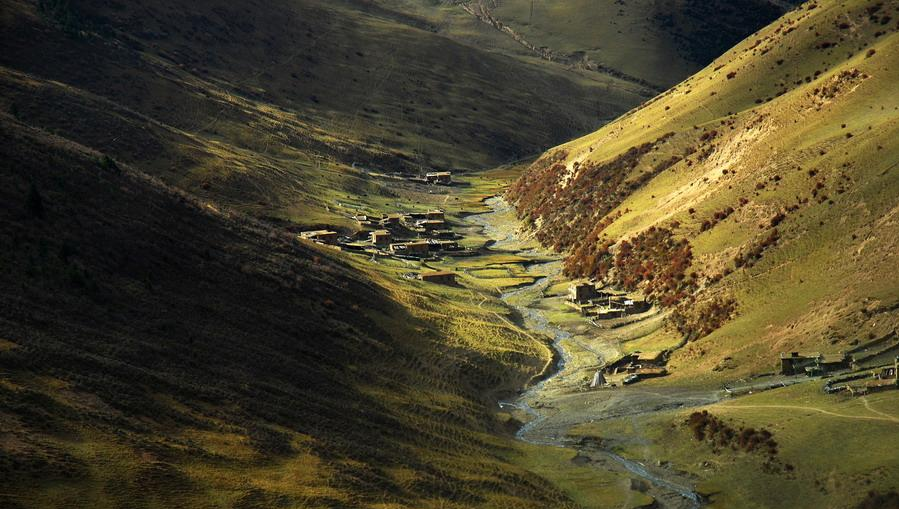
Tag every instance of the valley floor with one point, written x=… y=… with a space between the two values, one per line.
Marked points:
x=638 y=433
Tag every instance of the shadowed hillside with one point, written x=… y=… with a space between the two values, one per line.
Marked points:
x=755 y=199
x=656 y=43
x=259 y=106
x=153 y=344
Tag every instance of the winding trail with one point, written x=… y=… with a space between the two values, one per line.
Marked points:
x=883 y=416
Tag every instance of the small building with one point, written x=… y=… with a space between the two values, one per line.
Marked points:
x=439 y=277
x=444 y=234
x=391 y=219
x=598 y=380
x=431 y=224
x=380 y=237
x=435 y=215
x=323 y=236
x=581 y=293
x=795 y=363
x=654 y=358
x=439 y=177
x=890 y=372
x=623 y=365
x=416 y=248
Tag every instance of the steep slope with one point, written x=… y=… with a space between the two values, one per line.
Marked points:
x=155 y=351
x=757 y=198
x=654 y=42
x=267 y=107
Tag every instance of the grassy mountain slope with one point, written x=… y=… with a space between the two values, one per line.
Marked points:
x=758 y=197
x=157 y=351
x=267 y=107
x=656 y=42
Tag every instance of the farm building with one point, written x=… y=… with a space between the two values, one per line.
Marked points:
x=380 y=237
x=439 y=177
x=435 y=215
x=439 y=277
x=323 y=236
x=795 y=363
x=391 y=219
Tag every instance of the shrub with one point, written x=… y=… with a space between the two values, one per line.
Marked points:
x=696 y=321
x=108 y=164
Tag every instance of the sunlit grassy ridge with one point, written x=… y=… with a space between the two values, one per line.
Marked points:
x=794 y=130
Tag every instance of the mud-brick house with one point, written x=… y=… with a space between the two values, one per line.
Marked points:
x=794 y=363
x=391 y=220
x=323 y=236
x=380 y=237
x=439 y=277
x=581 y=293
x=431 y=224
x=416 y=248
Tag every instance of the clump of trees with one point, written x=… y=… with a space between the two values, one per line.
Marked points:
x=716 y=218
x=697 y=320
x=658 y=262
x=721 y=435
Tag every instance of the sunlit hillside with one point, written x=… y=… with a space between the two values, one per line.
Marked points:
x=776 y=164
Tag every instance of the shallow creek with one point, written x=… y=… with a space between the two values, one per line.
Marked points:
x=553 y=405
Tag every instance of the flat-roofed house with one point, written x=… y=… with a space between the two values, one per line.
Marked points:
x=439 y=177
x=439 y=277
x=415 y=248
x=323 y=236
x=380 y=237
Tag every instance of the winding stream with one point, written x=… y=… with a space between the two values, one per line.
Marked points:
x=537 y=431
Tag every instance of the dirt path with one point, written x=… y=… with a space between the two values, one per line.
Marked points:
x=882 y=416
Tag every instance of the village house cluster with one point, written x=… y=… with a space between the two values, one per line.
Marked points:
x=870 y=366
x=413 y=235
x=590 y=301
